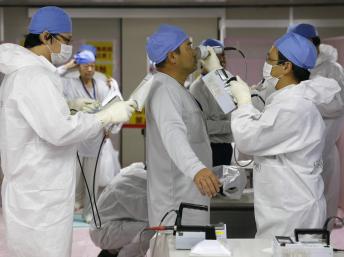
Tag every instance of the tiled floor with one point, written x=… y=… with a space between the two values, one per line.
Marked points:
x=82 y=244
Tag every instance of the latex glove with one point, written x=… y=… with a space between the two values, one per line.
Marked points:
x=240 y=91
x=117 y=112
x=83 y=105
x=64 y=68
x=71 y=64
x=207 y=182
x=211 y=62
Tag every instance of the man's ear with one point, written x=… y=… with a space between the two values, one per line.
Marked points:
x=171 y=56
x=45 y=37
x=287 y=67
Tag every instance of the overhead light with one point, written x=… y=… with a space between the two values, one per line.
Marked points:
x=107 y=1
x=211 y=1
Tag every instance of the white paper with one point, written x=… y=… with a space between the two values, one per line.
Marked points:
x=217 y=88
x=209 y=248
x=113 y=93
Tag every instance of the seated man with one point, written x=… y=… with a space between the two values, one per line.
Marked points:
x=123 y=212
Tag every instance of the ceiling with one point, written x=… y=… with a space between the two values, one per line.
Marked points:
x=170 y=3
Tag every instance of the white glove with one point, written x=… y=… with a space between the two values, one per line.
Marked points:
x=240 y=91
x=117 y=112
x=83 y=105
x=211 y=62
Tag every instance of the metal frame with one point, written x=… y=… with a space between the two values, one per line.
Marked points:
x=2 y=25
x=281 y=23
x=141 y=13
x=148 y=13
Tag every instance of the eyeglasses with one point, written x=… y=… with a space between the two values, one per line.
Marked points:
x=87 y=65
x=66 y=40
x=278 y=61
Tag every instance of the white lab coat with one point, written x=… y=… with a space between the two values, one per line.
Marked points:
x=38 y=140
x=177 y=148
x=287 y=141
x=123 y=211
x=328 y=67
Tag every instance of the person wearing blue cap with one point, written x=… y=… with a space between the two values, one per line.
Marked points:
x=286 y=141
x=178 y=149
x=328 y=67
x=39 y=138
x=218 y=123
x=85 y=93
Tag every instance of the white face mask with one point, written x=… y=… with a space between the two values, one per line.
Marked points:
x=269 y=80
x=63 y=56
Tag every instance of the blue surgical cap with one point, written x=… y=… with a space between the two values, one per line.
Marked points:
x=212 y=42
x=297 y=49
x=166 y=39
x=88 y=48
x=52 y=19
x=304 y=29
x=84 y=57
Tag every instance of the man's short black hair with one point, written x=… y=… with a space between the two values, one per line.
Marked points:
x=162 y=64
x=316 y=41
x=300 y=74
x=32 y=40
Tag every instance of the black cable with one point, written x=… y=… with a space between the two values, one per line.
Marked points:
x=87 y=188
x=236 y=160
x=161 y=221
x=261 y=98
x=94 y=184
x=231 y=48
x=93 y=187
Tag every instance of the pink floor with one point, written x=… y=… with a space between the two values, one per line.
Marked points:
x=82 y=244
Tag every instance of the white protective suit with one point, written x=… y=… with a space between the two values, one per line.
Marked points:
x=177 y=148
x=287 y=142
x=123 y=211
x=325 y=93
x=38 y=140
x=328 y=67
x=87 y=149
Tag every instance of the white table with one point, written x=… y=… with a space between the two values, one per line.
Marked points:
x=238 y=248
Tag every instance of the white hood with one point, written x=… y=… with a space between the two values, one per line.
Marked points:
x=14 y=57
x=325 y=94
x=326 y=53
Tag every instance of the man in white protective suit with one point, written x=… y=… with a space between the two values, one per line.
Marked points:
x=179 y=156
x=286 y=141
x=123 y=212
x=92 y=90
x=39 y=137
x=327 y=66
